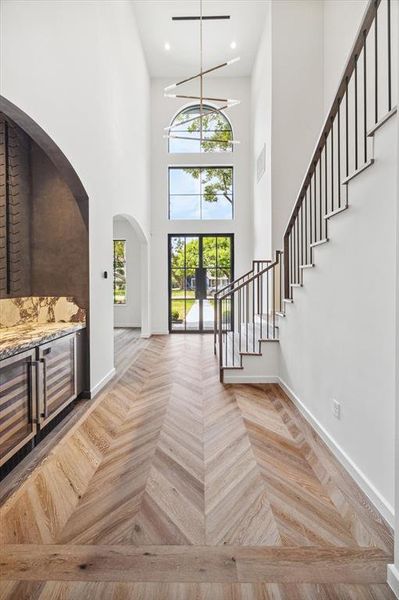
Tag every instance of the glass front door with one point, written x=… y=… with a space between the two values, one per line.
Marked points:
x=199 y=266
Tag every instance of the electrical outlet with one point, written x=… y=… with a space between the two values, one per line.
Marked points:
x=336 y=408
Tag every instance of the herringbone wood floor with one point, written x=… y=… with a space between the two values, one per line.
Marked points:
x=172 y=486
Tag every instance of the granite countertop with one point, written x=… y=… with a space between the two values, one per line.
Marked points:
x=24 y=337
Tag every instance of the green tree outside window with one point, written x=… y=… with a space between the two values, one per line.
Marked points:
x=120 y=272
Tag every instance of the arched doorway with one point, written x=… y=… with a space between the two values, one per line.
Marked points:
x=52 y=151
x=131 y=275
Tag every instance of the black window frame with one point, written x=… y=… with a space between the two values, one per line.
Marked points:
x=202 y=167
x=201 y=151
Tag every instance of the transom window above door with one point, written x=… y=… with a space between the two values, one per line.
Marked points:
x=200 y=193
x=217 y=134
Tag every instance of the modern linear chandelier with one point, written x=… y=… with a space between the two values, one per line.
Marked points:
x=225 y=103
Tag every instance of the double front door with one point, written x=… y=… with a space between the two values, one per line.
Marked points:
x=199 y=266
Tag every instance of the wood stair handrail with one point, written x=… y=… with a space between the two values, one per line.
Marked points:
x=255 y=276
x=238 y=279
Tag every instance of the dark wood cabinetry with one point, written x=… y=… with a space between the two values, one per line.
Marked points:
x=35 y=386
x=57 y=369
x=18 y=406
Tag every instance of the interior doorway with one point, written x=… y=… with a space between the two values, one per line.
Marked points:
x=127 y=293
x=199 y=266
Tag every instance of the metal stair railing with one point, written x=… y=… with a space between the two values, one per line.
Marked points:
x=245 y=315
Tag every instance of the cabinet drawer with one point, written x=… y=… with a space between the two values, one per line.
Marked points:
x=57 y=361
x=18 y=384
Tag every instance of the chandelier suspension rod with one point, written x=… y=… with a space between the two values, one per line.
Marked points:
x=181 y=96
x=226 y=102
x=211 y=112
x=225 y=64
x=201 y=78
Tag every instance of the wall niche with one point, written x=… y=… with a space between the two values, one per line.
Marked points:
x=44 y=246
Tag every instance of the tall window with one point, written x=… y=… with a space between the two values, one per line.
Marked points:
x=200 y=193
x=216 y=131
x=119 y=271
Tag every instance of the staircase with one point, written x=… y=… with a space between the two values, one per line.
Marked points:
x=248 y=309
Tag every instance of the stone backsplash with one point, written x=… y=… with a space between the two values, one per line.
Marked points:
x=32 y=309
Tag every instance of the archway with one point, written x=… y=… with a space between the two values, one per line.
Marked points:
x=52 y=151
x=131 y=275
x=44 y=283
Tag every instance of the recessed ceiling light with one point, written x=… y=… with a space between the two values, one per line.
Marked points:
x=167 y=46
x=233 y=45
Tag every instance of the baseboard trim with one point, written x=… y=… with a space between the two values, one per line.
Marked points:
x=160 y=332
x=383 y=507
x=393 y=579
x=102 y=383
x=250 y=378
x=128 y=326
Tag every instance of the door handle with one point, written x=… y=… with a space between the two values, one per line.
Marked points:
x=200 y=283
x=34 y=388
x=31 y=400
x=44 y=414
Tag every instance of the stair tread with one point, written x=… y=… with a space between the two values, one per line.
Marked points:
x=252 y=335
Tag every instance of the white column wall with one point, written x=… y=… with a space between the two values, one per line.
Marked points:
x=393 y=570
x=287 y=108
x=300 y=60
x=297 y=101
x=261 y=137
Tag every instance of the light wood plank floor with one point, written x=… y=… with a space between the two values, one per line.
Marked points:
x=173 y=486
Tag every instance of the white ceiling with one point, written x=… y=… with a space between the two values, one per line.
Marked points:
x=156 y=28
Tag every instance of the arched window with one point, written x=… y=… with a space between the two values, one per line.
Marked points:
x=185 y=134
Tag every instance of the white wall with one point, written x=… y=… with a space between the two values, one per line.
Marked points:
x=300 y=60
x=338 y=338
x=287 y=105
x=163 y=110
x=341 y=23
x=77 y=68
x=297 y=38
x=261 y=135
x=393 y=571
x=129 y=314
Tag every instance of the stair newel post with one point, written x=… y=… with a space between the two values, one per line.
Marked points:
x=215 y=322
x=253 y=315
x=260 y=283
x=286 y=266
x=246 y=316
x=232 y=325
x=267 y=304
x=220 y=310
x=226 y=336
x=239 y=318
x=274 y=299
x=280 y=283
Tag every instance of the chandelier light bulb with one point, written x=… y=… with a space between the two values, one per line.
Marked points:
x=233 y=45
x=167 y=46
